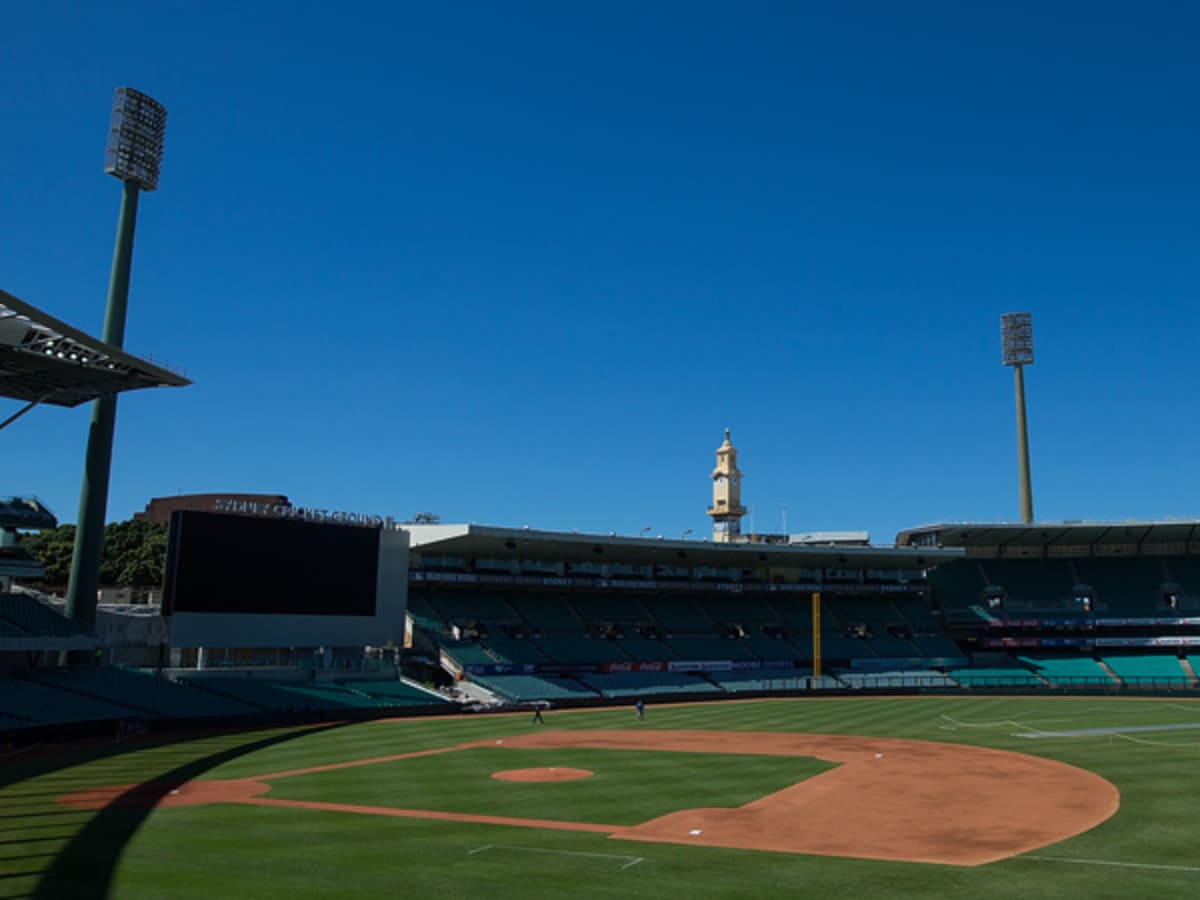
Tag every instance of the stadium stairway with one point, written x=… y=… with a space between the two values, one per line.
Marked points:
x=1109 y=671
x=1193 y=679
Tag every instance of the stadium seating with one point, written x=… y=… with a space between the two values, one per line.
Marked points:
x=697 y=647
x=916 y=614
x=896 y=680
x=1185 y=571
x=1146 y=670
x=1033 y=584
x=680 y=614
x=461 y=607
x=283 y=696
x=1069 y=670
x=146 y=693
x=513 y=650
x=394 y=693
x=646 y=649
x=581 y=649
x=741 y=609
x=424 y=615
x=468 y=653
x=632 y=684
x=625 y=610
x=957 y=585
x=1123 y=587
x=548 y=613
x=778 y=679
x=29 y=616
x=996 y=677
x=893 y=646
x=796 y=610
x=936 y=646
x=522 y=688
x=770 y=649
x=43 y=704
x=838 y=646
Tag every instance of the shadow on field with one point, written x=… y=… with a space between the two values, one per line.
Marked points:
x=83 y=869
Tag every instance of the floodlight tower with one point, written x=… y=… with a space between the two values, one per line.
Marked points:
x=1016 y=334
x=134 y=155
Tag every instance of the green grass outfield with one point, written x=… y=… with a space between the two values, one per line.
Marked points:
x=1150 y=848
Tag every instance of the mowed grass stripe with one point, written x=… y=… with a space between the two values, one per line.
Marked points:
x=628 y=786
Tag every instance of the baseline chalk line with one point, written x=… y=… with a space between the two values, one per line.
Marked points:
x=1110 y=862
x=630 y=861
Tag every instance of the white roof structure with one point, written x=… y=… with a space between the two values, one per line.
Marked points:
x=514 y=543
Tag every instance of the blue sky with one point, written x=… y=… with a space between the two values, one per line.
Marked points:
x=523 y=263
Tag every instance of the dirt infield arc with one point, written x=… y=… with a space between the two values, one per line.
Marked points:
x=888 y=799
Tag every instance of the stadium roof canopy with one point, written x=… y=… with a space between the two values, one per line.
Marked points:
x=1048 y=534
x=43 y=360
x=26 y=512
x=481 y=541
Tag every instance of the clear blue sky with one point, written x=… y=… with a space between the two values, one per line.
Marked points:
x=523 y=263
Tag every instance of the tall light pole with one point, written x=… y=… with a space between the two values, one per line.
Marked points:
x=1016 y=334
x=134 y=155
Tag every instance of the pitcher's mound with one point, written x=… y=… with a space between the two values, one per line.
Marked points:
x=551 y=774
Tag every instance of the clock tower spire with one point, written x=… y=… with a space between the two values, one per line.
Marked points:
x=727 y=509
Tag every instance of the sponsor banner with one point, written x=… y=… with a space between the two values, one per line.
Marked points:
x=701 y=665
x=636 y=584
x=619 y=667
x=1099 y=622
x=739 y=664
x=1010 y=643
x=895 y=662
x=1164 y=641
x=501 y=668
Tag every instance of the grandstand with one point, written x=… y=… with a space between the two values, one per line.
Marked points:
x=1088 y=604
x=520 y=617
x=522 y=612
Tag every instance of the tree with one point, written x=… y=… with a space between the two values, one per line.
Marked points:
x=53 y=549
x=134 y=553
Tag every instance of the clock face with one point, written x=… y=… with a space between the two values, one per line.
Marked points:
x=720 y=479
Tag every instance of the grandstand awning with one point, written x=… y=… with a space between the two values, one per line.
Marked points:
x=26 y=512
x=481 y=541
x=44 y=360
x=1061 y=534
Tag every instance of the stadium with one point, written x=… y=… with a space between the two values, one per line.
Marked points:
x=977 y=708
x=320 y=702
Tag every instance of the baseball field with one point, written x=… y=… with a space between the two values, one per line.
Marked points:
x=938 y=797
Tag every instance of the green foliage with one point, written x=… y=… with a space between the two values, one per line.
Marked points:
x=53 y=548
x=133 y=555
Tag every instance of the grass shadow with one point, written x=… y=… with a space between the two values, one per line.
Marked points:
x=84 y=868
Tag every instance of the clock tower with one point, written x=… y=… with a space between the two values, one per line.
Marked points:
x=727 y=509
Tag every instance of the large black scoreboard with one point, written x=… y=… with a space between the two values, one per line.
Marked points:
x=245 y=581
